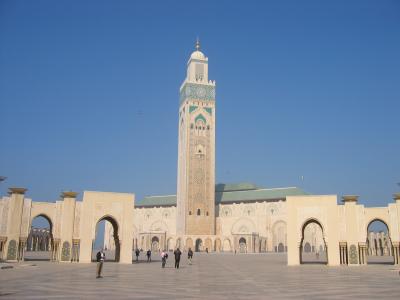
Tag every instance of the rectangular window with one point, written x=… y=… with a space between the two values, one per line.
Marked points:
x=199 y=71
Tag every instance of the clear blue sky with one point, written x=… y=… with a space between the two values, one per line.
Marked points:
x=89 y=94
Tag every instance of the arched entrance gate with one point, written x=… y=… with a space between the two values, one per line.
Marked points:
x=117 y=208
x=114 y=254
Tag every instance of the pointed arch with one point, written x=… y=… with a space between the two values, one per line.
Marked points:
x=319 y=258
x=200 y=117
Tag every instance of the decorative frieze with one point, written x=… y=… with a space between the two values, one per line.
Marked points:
x=195 y=91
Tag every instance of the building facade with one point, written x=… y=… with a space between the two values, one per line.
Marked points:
x=240 y=218
x=242 y=211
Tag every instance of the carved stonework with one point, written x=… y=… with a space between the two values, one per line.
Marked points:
x=4 y=218
x=26 y=217
x=197 y=92
x=77 y=219
x=57 y=224
x=66 y=252
x=12 y=250
x=353 y=255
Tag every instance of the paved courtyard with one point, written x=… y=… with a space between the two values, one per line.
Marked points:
x=212 y=276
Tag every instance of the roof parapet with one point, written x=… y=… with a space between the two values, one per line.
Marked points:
x=396 y=197
x=68 y=194
x=17 y=190
x=350 y=198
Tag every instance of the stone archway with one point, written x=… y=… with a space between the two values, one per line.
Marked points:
x=115 y=228
x=40 y=242
x=379 y=244
x=73 y=224
x=199 y=245
x=170 y=244
x=189 y=243
x=117 y=208
x=227 y=246
x=155 y=244
x=279 y=235
x=307 y=251
x=242 y=245
x=322 y=208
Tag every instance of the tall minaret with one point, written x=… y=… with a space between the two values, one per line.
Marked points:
x=196 y=150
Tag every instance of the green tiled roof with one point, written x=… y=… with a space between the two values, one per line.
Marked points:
x=167 y=200
x=242 y=186
x=229 y=193
x=258 y=194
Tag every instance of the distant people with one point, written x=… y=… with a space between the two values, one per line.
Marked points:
x=235 y=251
x=164 y=257
x=100 y=257
x=190 y=256
x=206 y=250
x=317 y=254
x=148 y=254
x=137 y=252
x=177 y=254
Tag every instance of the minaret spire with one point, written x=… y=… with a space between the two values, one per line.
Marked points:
x=197 y=44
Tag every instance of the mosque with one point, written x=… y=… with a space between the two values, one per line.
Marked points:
x=203 y=215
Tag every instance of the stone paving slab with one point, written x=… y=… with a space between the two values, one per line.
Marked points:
x=212 y=276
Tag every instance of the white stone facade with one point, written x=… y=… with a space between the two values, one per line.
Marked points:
x=264 y=222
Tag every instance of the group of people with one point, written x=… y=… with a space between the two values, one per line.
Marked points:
x=177 y=255
x=100 y=257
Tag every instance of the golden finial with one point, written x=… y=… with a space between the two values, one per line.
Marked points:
x=197 y=44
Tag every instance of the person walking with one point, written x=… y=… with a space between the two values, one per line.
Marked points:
x=177 y=254
x=137 y=252
x=148 y=255
x=190 y=256
x=100 y=257
x=164 y=256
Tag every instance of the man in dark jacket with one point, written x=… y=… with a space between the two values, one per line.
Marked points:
x=137 y=252
x=177 y=254
x=148 y=254
x=190 y=256
x=100 y=257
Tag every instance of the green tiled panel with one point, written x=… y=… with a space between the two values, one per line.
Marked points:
x=192 y=108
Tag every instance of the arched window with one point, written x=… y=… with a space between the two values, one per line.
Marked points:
x=198 y=211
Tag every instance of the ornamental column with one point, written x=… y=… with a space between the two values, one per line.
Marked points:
x=396 y=244
x=14 y=222
x=356 y=249
x=67 y=224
